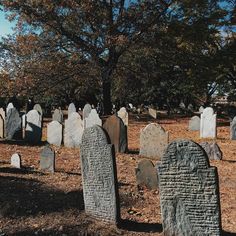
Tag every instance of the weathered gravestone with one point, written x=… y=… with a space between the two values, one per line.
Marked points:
x=2 y=127
x=194 y=123
x=2 y=113
x=71 y=109
x=152 y=112
x=16 y=161
x=146 y=174
x=98 y=166
x=153 y=141
x=117 y=133
x=33 y=131
x=189 y=191
x=58 y=115
x=73 y=130
x=38 y=108
x=54 y=133
x=233 y=129
x=13 y=124
x=47 y=159
x=124 y=115
x=86 y=111
x=93 y=119
x=9 y=106
x=208 y=123
x=212 y=150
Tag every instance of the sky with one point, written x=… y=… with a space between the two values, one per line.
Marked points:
x=5 y=25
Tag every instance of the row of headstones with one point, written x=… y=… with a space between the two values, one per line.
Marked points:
x=188 y=186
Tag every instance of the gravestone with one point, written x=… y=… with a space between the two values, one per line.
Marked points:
x=124 y=115
x=194 y=123
x=2 y=127
x=201 y=109
x=16 y=161
x=117 y=133
x=189 y=191
x=71 y=109
x=58 y=115
x=33 y=130
x=86 y=111
x=152 y=112
x=54 y=133
x=9 y=106
x=190 y=107
x=100 y=188
x=47 y=159
x=73 y=130
x=38 y=108
x=3 y=114
x=233 y=129
x=182 y=105
x=208 y=123
x=153 y=141
x=93 y=119
x=212 y=150
x=146 y=174
x=13 y=124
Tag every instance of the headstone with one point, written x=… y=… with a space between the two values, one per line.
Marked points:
x=9 y=106
x=208 y=123
x=33 y=131
x=124 y=115
x=73 y=130
x=2 y=127
x=152 y=112
x=86 y=111
x=93 y=119
x=71 y=109
x=16 y=161
x=58 y=115
x=182 y=105
x=201 y=109
x=2 y=113
x=153 y=141
x=47 y=159
x=146 y=175
x=117 y=133
x=13 y=124
x=189 y=191
x=190 y=107
x=233 y=129
x=54 y=133
x=194 y=123
x=38 y=108
x=98 y=166
x=212 y=150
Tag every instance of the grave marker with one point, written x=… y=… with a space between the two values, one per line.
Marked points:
x=47 y=159
x=54 y=133
x=16 y=161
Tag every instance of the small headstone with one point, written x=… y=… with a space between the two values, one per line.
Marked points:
x=194 y=123
x=71 y=109
x=117 y=133
x=2 y=127
x=233 y=129
x=73 y=130
x=212 y=150
x=38 y=108
x=152 y=112
x=93 y=119
x=153 y=141
x=54 y=133
x=9 y=106
x=124 y=115
x=146 y=175
x=13 y=124
x=189 y=191
x=98 y=166
x=47 y=159
x=58 y=115
x=16 y=161
x=208 y=123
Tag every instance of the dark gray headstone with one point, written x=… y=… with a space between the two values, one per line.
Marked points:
x=47 y=159
x=189 y=191
x=233 y=129
x=13 y=124
x=212 y=150
x=99 y=175
x=146 y=174
x=58 y=115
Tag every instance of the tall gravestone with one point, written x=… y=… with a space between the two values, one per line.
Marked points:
x=71 y=109
x=13 y=124
x=124 y=115
x=86 y=111
x=117 y=133
x=233 y=129
x=47 y=159
x=98 y=166
x=33 y=131
x=54 y=133
x=38 y=108
x=93 y=119
x=153 y=141
x=58 y=115
x=9 y=106
x=73 y=130
x=189 y=191
x=194 y=123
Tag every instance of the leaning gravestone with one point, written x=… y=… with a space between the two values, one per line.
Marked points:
x=152 y=112
x=73 y=130
x=47 y=159
x=100 y=188
x=233 y=129
x=117 y=133
x=2 y=127
x=58 y=115
x=13 y=124
x=16 y=161
x=194 y=123
x=38 y=108
x=146 y=174
x=54 y=133
x=33 y=131
x=189 y=191
x=208 y=123
x=9 y=106
x=153 y=141
x=212 y=150
x=93 y=119
x=71 y=109
x=124 y=115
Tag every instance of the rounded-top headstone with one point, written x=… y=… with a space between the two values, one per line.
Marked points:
x=58 y=115
x=9 y=106
x=38 y=108
x=93 y=119
x=124 y=115
x=47 y=159
x=208 y=123
x=54 y=133
x=71 y=109
x=86 y=110
x=16 y=160
x=13 y=124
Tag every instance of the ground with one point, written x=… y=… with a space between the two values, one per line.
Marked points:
x=37 y=203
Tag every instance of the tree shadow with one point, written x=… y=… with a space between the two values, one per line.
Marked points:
x=13 y=170
x=22 y=142
x=224 y=233
x=230 y=161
